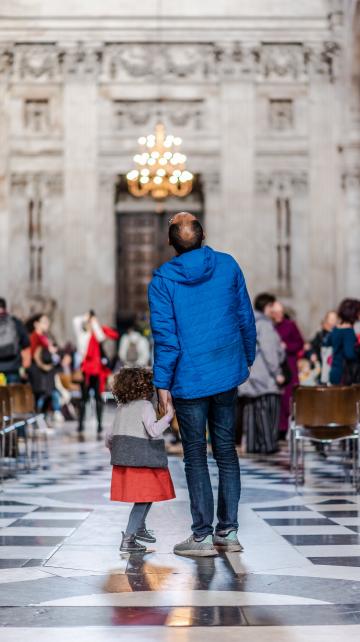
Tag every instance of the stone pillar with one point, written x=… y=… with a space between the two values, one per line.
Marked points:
x=237 y=172
x=81 y=214
x=212 y=209
x=324 y=188
x=4 y=193
x=104 y=250
x=351 y=223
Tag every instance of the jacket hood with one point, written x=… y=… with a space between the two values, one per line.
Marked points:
x=196 y=266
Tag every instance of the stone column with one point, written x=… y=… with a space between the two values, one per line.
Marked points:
x=4 y=192
x=237 y=172
x=351 y=223
x=324 y=188
x=104 y=250
x=212 y=208
x=81 y=214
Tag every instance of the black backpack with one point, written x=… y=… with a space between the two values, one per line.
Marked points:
x=9 y=339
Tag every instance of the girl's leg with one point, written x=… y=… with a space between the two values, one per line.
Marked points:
x=137 y=517
x=143 y=525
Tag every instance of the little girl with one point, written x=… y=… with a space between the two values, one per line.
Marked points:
x=140 y=470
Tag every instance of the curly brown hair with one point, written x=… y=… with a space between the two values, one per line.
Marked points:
x=131 y=384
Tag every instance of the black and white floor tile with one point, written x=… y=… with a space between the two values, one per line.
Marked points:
x=61 y=575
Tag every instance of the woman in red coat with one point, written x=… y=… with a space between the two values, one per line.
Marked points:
x=293 y=343
x=89 y=336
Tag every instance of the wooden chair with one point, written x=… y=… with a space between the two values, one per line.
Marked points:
x=23 y=409
x=8 y=433
x=324 y=415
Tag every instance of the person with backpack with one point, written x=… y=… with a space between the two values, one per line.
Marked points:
x=13 y=340
x=134 y=349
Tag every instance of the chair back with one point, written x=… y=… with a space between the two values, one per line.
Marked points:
x=22 y=398
x=5 y=402
x=328 y=412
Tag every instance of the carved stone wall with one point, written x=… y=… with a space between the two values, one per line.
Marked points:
x=250 y=110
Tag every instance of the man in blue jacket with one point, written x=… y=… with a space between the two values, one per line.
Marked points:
x=204 y=334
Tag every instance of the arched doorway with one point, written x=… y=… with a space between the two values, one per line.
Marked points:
x=141 y=244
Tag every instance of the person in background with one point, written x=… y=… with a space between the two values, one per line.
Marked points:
x=90 y=336
x=43 y=367
x=317 y=352
x=317 y=342
x=134 y=349
x=293 y=343
x=342 y=339
x=14 y=345
x=261 y=392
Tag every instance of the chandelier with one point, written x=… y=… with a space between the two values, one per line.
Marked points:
x=160 y=170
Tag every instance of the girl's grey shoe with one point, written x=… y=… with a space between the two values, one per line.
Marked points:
x=130 y=545
x=192 y=547
x=228 y=542
x=145 y=536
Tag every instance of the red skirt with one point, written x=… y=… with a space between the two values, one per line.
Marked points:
x=130 y=484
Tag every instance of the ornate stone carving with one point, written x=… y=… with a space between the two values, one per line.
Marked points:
x=281 y=114
x=157 y=60
x=81 y=61
x=36 y=184
x=281 y=182
x=6 y=61
x=117 y=62
x=281 y=60
x=36 y=62
x=37 y=116
x=140 y=113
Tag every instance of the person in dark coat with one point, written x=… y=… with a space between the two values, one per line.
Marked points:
x=344 y=367
x=261 y=393
x=293 y=343
x=204 y=338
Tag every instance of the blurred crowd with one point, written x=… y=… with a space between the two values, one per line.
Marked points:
x=284 y=360
x=65 y=378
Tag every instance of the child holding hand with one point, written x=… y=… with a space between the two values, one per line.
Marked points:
x=140 y=471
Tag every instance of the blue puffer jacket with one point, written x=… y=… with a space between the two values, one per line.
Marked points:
x=202 y=323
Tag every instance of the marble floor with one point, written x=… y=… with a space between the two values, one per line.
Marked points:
x=62 y=578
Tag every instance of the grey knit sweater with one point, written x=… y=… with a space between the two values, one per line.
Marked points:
x=132 y=443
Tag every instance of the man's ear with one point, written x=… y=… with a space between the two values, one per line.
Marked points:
x=204 y=237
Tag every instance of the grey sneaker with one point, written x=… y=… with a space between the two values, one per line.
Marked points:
x=192 y=547
x=228 y=542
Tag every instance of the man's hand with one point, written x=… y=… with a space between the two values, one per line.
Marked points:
x=280 y=379
x=164 y=398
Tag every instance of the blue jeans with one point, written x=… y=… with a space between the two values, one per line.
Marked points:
x=54 y=398
x=192 y=415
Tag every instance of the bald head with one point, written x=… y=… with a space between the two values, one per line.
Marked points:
x=185 y=233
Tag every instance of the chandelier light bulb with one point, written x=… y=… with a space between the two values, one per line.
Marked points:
x=161 y=170
x=132 y=175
